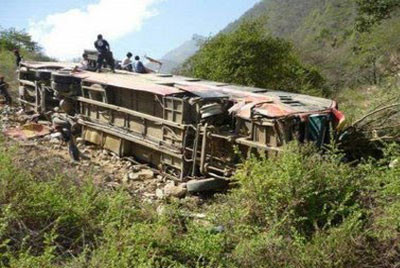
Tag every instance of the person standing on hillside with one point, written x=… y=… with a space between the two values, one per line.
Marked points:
x=18 y=57
x=4 y=90
x=103 y=47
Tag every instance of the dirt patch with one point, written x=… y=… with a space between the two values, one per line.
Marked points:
x=47 y=157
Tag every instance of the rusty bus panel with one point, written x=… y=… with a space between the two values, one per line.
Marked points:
x=186 y=128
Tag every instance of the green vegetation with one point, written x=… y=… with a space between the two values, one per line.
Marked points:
x=300 y=209
x=372 y=12
x=248 y=56
x=325 y=35
x=11 y=39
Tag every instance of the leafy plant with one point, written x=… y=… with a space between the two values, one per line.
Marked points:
x=248 y=56
x=372 y=12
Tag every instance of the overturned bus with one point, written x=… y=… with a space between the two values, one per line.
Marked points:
x=185 y=127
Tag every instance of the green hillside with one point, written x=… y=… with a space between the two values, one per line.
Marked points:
x=324 y=33
x=11 y=39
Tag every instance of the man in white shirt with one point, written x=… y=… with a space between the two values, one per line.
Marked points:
x=84 y=64
x=127 y=63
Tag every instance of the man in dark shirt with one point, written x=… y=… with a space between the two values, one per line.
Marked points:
x=139 y=67
x=18 y=57
x=103 y=47
x=4 y=90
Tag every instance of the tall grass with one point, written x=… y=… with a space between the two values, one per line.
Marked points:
x=300 y=209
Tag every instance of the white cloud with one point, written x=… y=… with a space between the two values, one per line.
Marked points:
x=65 y=35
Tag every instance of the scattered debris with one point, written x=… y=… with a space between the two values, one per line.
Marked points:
x=170 y=190
x=160 y=194
x=28 y=131
x=141 y=175
x=206 y=185
x=365 y=137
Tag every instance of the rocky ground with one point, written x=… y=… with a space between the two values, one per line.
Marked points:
x=47 y=156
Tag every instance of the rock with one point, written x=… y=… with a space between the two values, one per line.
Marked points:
x=159 y=194
x=108 y=179
x=54 y=141
x=56 y=135
x=113 y=185
x=170 y=190
x=144 y=174
x=133 y=176
x=128 y=164
x=80 y=141
x=103 y=157
x=149 y=195
x=395 y=163
x=198 y=215
x=161 y=210
x=125 y=179
x=217 y=229
x=137 y=168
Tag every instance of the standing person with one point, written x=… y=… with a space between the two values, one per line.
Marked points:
x=18 y=57
x=103 y=47
x=4 y=90
x=139 y=67
x=127 y=63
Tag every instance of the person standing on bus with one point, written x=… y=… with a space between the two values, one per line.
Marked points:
x=103 y=47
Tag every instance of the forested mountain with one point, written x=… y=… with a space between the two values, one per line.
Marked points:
x=324 y=34
x=179 y=55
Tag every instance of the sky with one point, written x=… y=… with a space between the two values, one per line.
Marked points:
x=152 y=27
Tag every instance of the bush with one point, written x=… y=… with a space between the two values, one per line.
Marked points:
x=302 y=209
x=248 y=56
x=372 y=12
x=299 y=209
x=61 y=222
x=305 y=192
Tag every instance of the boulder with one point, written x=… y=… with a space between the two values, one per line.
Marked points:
x=395 y=163
x=159 y=194
x=170 y=190
x=144 y=174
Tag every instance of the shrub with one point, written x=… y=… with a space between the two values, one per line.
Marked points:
x=248 y=56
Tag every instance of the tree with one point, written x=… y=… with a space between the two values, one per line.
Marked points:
x=248 y=56
x=371 y=12
x=11 y=38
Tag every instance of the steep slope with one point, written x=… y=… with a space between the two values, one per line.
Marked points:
x=323 y=32
x=179 y=55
